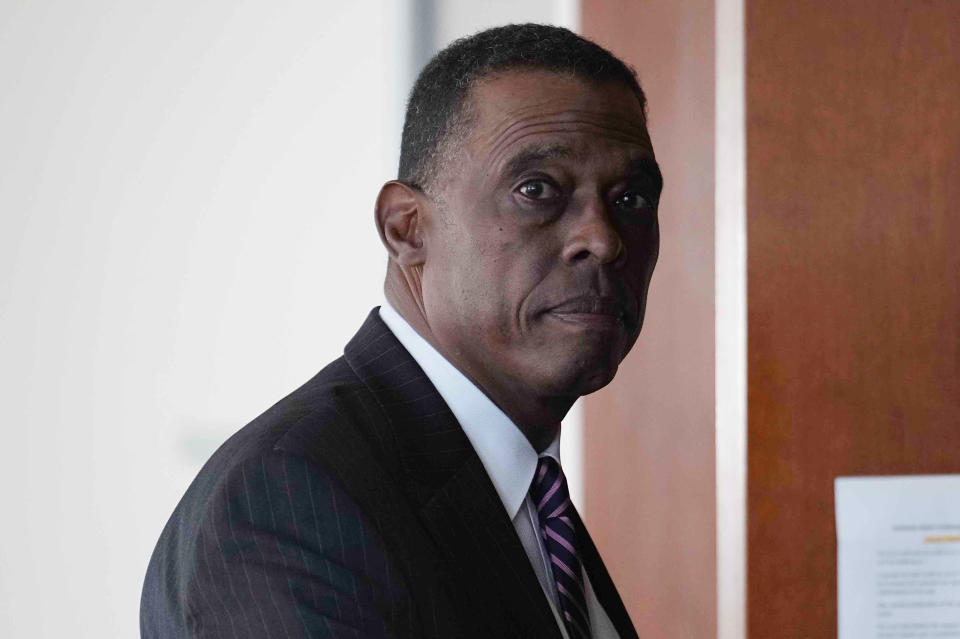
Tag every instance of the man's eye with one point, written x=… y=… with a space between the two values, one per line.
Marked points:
x=538 y=190
x=632 y=201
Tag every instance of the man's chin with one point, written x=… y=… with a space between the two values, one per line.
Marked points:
x=597 y=380
x=576 y=363
x=582 y=376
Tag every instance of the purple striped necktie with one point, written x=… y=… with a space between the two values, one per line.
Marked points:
x=552 y=499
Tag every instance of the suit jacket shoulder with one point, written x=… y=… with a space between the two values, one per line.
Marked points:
x=355 y=506
x=278 y=536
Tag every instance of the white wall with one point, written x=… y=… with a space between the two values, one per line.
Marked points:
x=457 y=18
x=186 y=235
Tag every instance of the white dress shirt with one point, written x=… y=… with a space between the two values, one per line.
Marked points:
x=507 y=456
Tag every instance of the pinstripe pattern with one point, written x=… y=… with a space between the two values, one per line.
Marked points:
x=341 y=512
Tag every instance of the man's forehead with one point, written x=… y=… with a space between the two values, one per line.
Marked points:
x=509 y=109
x=518 y=94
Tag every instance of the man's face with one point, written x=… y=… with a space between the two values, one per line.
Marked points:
x=543 y=235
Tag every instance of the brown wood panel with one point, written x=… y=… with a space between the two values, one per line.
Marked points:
x=649 y=436
x=853 y=206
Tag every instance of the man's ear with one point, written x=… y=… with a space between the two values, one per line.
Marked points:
x=399 y=217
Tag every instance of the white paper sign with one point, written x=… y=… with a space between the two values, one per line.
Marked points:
x=898 y=557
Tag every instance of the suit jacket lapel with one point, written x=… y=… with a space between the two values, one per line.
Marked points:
x=446 y=483
x=472 y=529
x=603 y=586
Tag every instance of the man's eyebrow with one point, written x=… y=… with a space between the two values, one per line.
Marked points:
x=535 y=155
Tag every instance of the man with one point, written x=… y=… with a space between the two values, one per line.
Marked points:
x=412 y=488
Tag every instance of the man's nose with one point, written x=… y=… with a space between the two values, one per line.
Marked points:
x=593 y=235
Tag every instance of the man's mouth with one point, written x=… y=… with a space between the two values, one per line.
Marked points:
x=592 y=311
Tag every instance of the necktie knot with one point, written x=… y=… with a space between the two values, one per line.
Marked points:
x=549 y=490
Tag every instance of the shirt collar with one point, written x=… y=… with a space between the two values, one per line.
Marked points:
x=507 y=456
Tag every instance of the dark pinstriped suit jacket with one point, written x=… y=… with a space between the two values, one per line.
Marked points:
x=354 y=507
